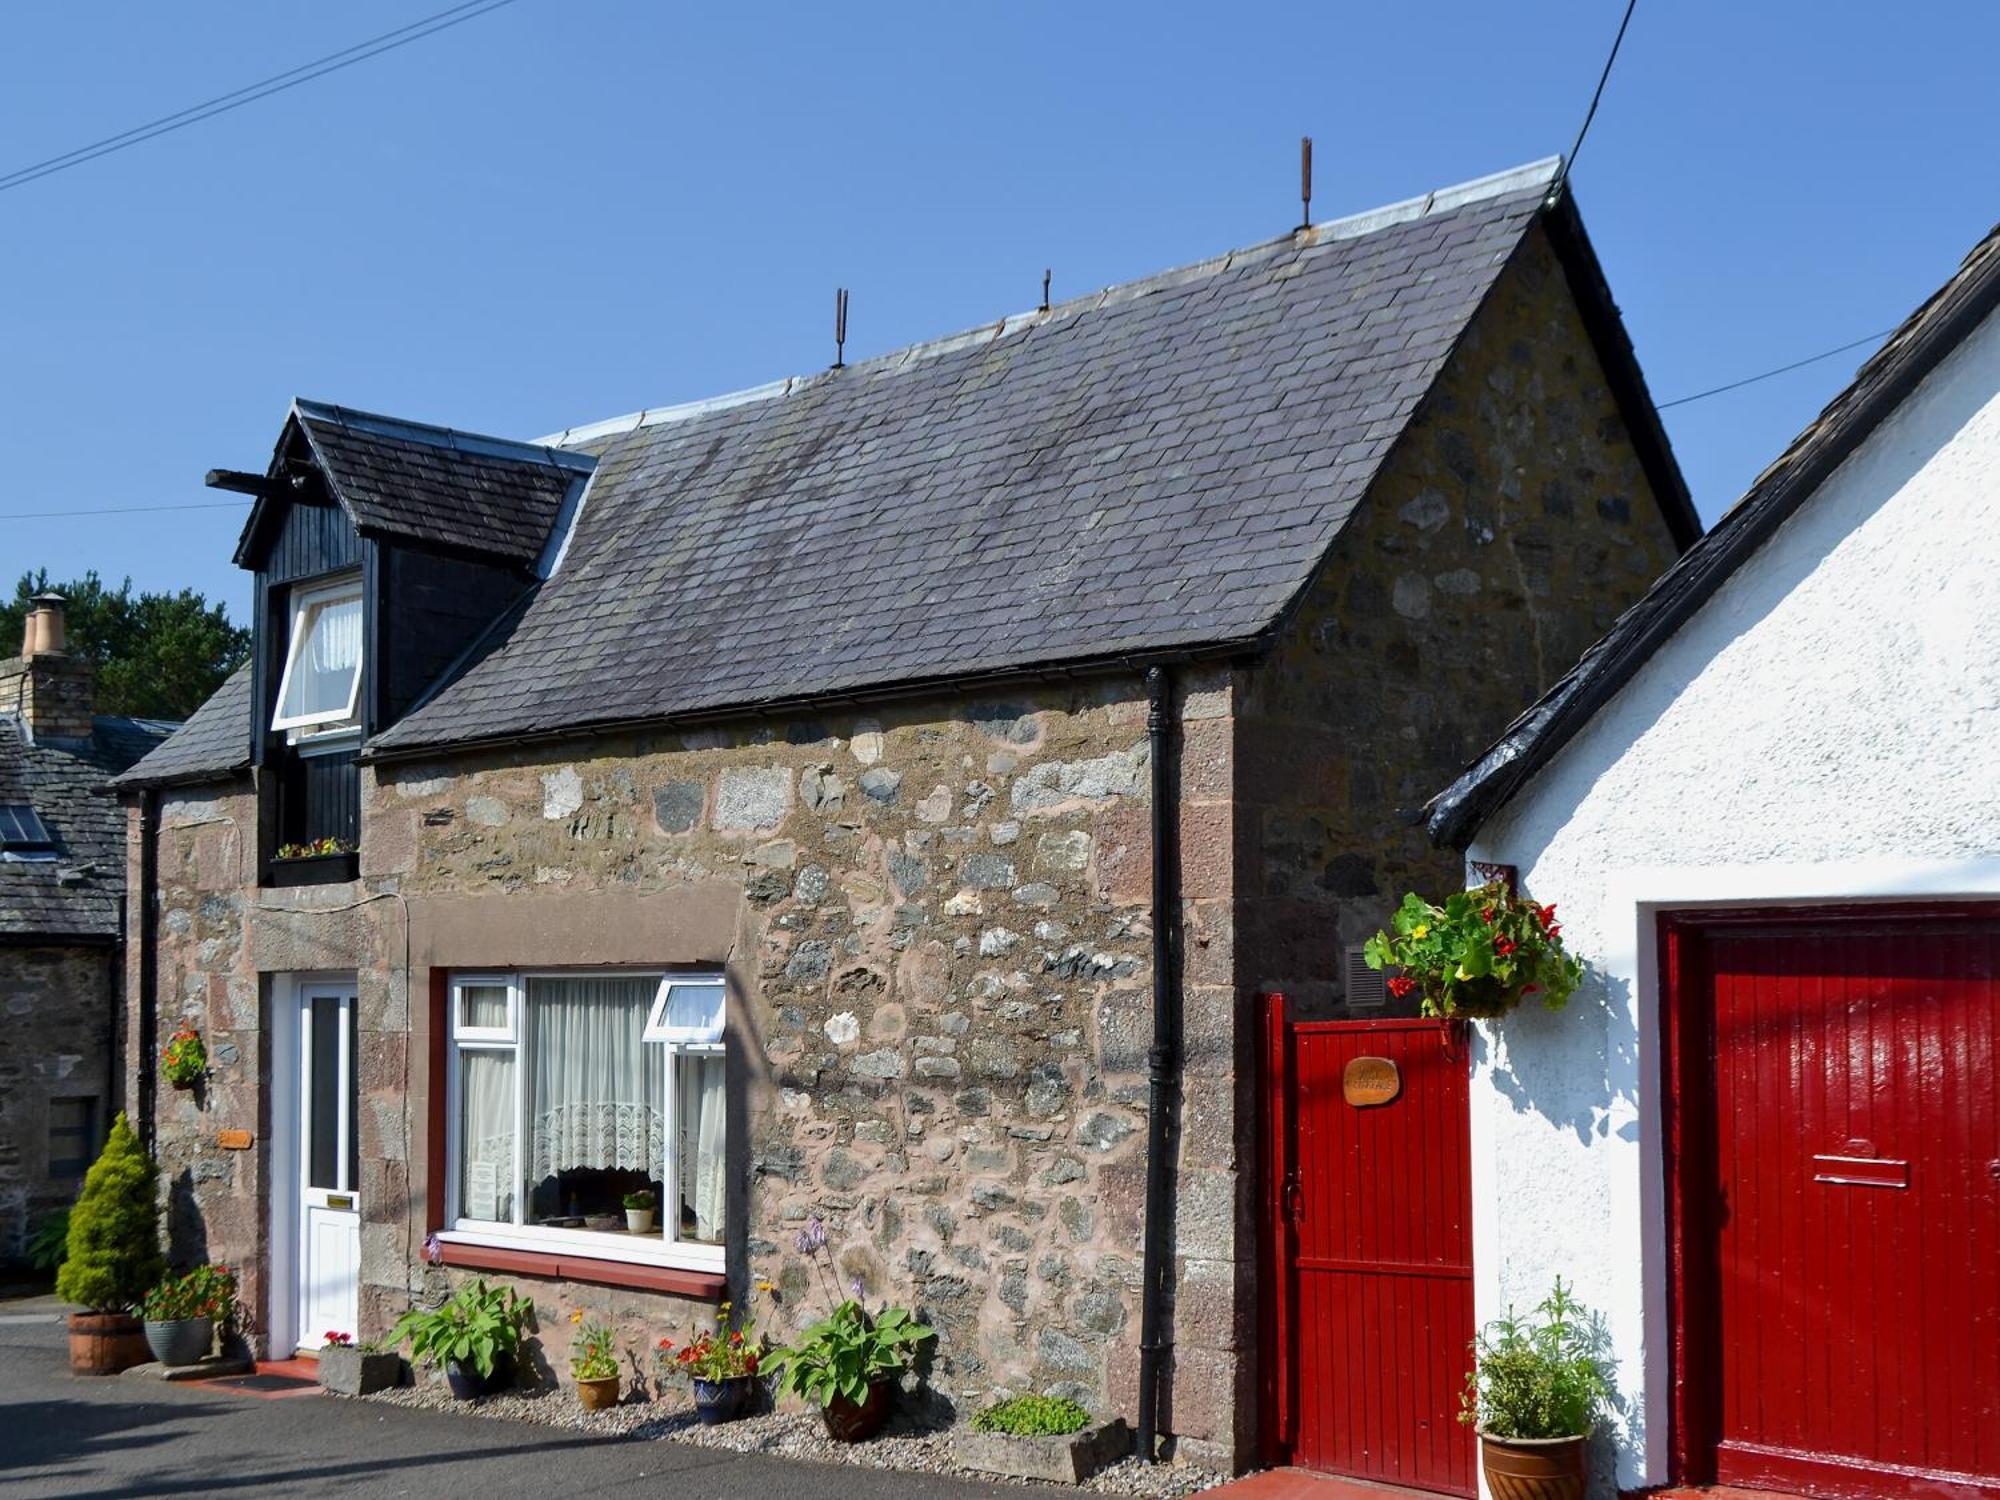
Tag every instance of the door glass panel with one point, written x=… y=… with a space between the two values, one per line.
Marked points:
x=323 y=1088
x=486 y=1130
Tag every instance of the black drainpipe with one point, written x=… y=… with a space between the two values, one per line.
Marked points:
x=149 y=927
x=1163 y=1094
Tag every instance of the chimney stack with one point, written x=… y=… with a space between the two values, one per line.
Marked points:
x=51 y=690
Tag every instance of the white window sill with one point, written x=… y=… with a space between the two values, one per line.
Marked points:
x=621 y=1249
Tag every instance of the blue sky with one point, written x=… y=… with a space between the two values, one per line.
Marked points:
x=570 y=209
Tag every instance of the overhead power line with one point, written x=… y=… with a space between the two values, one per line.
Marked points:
x=116 y=510
x=1602 y=79
x=277 y=83
x=1797 y=364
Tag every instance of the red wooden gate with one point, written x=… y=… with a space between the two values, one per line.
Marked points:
x=1370 y=1251
x=1836 y=1188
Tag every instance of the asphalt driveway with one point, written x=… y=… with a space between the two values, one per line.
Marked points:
x=128 y=1436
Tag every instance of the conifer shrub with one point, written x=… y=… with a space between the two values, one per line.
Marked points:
x=114 y=1229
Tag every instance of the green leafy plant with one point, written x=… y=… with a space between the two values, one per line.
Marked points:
x=49 y=1243
x=1480 y=954
x=729 y=1351
x=184 y=1059
x=594 y=1354
x=1540 y=1377
x=205 y=1292
x=1033 y=1416
x=316 y=848
x=844 y=1354
x=114 y=1229
x=641 y=1201
x=478 y=1326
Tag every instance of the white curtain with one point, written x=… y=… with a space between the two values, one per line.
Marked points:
x=703 y=1180
x=486 y=1134
x=325 y=659
x=594 y=1088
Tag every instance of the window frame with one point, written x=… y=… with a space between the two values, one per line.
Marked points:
x=662 y=1249
x=304 y=599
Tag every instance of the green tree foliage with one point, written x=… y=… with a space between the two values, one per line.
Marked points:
x=158 y=656
x=114 y=1229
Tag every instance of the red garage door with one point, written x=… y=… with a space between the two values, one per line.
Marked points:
x=1835 y=1177
x=1370 y=1239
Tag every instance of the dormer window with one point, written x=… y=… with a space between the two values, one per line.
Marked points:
x=323 y=663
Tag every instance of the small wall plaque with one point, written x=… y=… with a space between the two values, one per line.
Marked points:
x=1368 y=1081
x=234 y=1140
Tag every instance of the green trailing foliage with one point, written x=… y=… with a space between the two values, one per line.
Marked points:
x=1033 y=1416
x=48 y=1246
x=476 y=1328
x=114 y=1229
x=1481 y=953
x=1544 y=1376
x=845 y=1353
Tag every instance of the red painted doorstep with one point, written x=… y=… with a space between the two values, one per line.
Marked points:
x=297 y=1369
x=1304 y=1484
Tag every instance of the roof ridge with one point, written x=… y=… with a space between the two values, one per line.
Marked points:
x=435 y=435
x=1545 y=172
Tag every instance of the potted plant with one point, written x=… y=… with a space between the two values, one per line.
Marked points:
x=847 y=1364
x=639 y=1208
x=593 y=1361
x=474 y=1337
x=721 y=1363
x=1479 y=955
x=181 y=1313
x=350 y=1369
x=1040 y=1437
x=320 y=862
x=184 y=1060
x=1535 y=1391
x=113 y=1256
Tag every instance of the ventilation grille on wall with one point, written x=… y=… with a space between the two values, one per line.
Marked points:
x=1365 y=987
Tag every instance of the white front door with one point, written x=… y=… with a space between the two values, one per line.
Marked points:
x=329 y=1240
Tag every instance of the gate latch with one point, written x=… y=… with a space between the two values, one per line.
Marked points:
x=1295 y=1197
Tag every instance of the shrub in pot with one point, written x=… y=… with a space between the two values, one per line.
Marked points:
x=847 y=1364
x=113 y=1255
x=350 y=1369
x=474 y=1337
x=182 y=1313
x=593 y=1361
x=639 y=1208
x=721 y=1363
x=1535 y=1392
x=1478 y=955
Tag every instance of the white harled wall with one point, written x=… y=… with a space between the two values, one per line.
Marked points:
x=1827 y=727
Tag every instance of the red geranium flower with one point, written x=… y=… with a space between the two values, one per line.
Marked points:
x=1401 y=985
x=1504 y=946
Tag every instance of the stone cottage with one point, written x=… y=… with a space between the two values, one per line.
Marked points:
x=62 y=921
x=876 y=797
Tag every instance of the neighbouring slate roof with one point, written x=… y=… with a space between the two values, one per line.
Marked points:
x=212 y=744
x=1889 y=375
x=1155 y=468
x=437 y=487
x=79 y=893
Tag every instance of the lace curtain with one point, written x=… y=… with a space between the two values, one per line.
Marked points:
x=700 y=1105
x=594 y=1087
x=324 y=664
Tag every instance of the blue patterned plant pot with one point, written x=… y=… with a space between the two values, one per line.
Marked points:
x=717 y=1401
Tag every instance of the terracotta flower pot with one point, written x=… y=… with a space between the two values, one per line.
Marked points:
x=847 y=1422
x=598 y=1394
x=105 y=1343
x=1535 y=1468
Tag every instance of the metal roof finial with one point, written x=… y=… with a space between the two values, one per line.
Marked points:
x=1306 y=180
x=840 y=329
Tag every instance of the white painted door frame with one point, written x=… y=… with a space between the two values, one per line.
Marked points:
x=295 y=1207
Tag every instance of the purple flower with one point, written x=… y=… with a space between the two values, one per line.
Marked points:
x=856 y=1287
x=812 y=1238
x=433 y=1251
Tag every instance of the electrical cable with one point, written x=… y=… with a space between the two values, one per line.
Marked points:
x=1602 y=79
x=1797 y=364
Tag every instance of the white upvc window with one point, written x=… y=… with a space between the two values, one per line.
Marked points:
x=322 y=677
x=570 y=1091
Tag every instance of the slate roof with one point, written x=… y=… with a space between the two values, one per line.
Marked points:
x=213 y=744
x=1156 y=468
x=435 y=486
x=1930 y=333
x=79 y=893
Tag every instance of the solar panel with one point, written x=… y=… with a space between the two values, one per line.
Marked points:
x=22 y=828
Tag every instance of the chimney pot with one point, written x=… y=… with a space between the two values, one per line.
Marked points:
x=43 y=634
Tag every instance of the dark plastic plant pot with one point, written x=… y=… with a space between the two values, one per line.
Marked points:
x=467 y=1384
x=314 y=869
x=718 y=1401
x=848 y=1423
x=180 y=1341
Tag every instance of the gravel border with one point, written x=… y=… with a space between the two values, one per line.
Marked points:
x=792 y=1435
